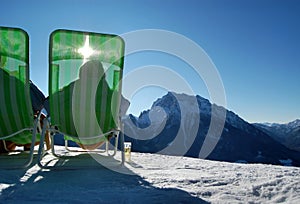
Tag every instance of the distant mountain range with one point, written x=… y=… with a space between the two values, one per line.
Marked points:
x=287 y=134
x=155 y=131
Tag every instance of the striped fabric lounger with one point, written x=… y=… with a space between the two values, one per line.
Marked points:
x=17 y=122
x=85 y=72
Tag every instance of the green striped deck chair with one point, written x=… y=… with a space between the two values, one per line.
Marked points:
x=17 y=123
x=85 y=72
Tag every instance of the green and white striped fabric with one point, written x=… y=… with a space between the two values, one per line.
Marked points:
x=15 y=104
x=85 y=84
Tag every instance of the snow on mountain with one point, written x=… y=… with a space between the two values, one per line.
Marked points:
x=287 y=134
x=183 y=127
x=269 y=124
x=293 y=124
x=150 y=178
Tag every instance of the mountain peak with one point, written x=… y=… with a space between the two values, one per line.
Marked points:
x=294 y=124
x=173 y=119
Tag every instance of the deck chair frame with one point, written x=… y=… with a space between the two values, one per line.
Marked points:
x=59 y=54
x=42 y=152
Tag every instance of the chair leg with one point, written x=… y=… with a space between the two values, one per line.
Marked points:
x=41 y=146
x=122 y=148
x=122 y=140
x=53 y=147
x=32 y=144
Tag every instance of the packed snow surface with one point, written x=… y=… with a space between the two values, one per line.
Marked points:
x=149 y=178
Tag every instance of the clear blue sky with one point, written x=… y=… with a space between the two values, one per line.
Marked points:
x=255 y=45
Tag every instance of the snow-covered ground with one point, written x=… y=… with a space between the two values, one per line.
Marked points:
x=150 y=178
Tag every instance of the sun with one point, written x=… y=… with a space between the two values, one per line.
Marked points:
x=86 y=51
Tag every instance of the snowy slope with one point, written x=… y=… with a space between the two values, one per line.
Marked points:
x=152 y=178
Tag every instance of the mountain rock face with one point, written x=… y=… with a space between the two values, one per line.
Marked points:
x=287 y=134
x=179 y=124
